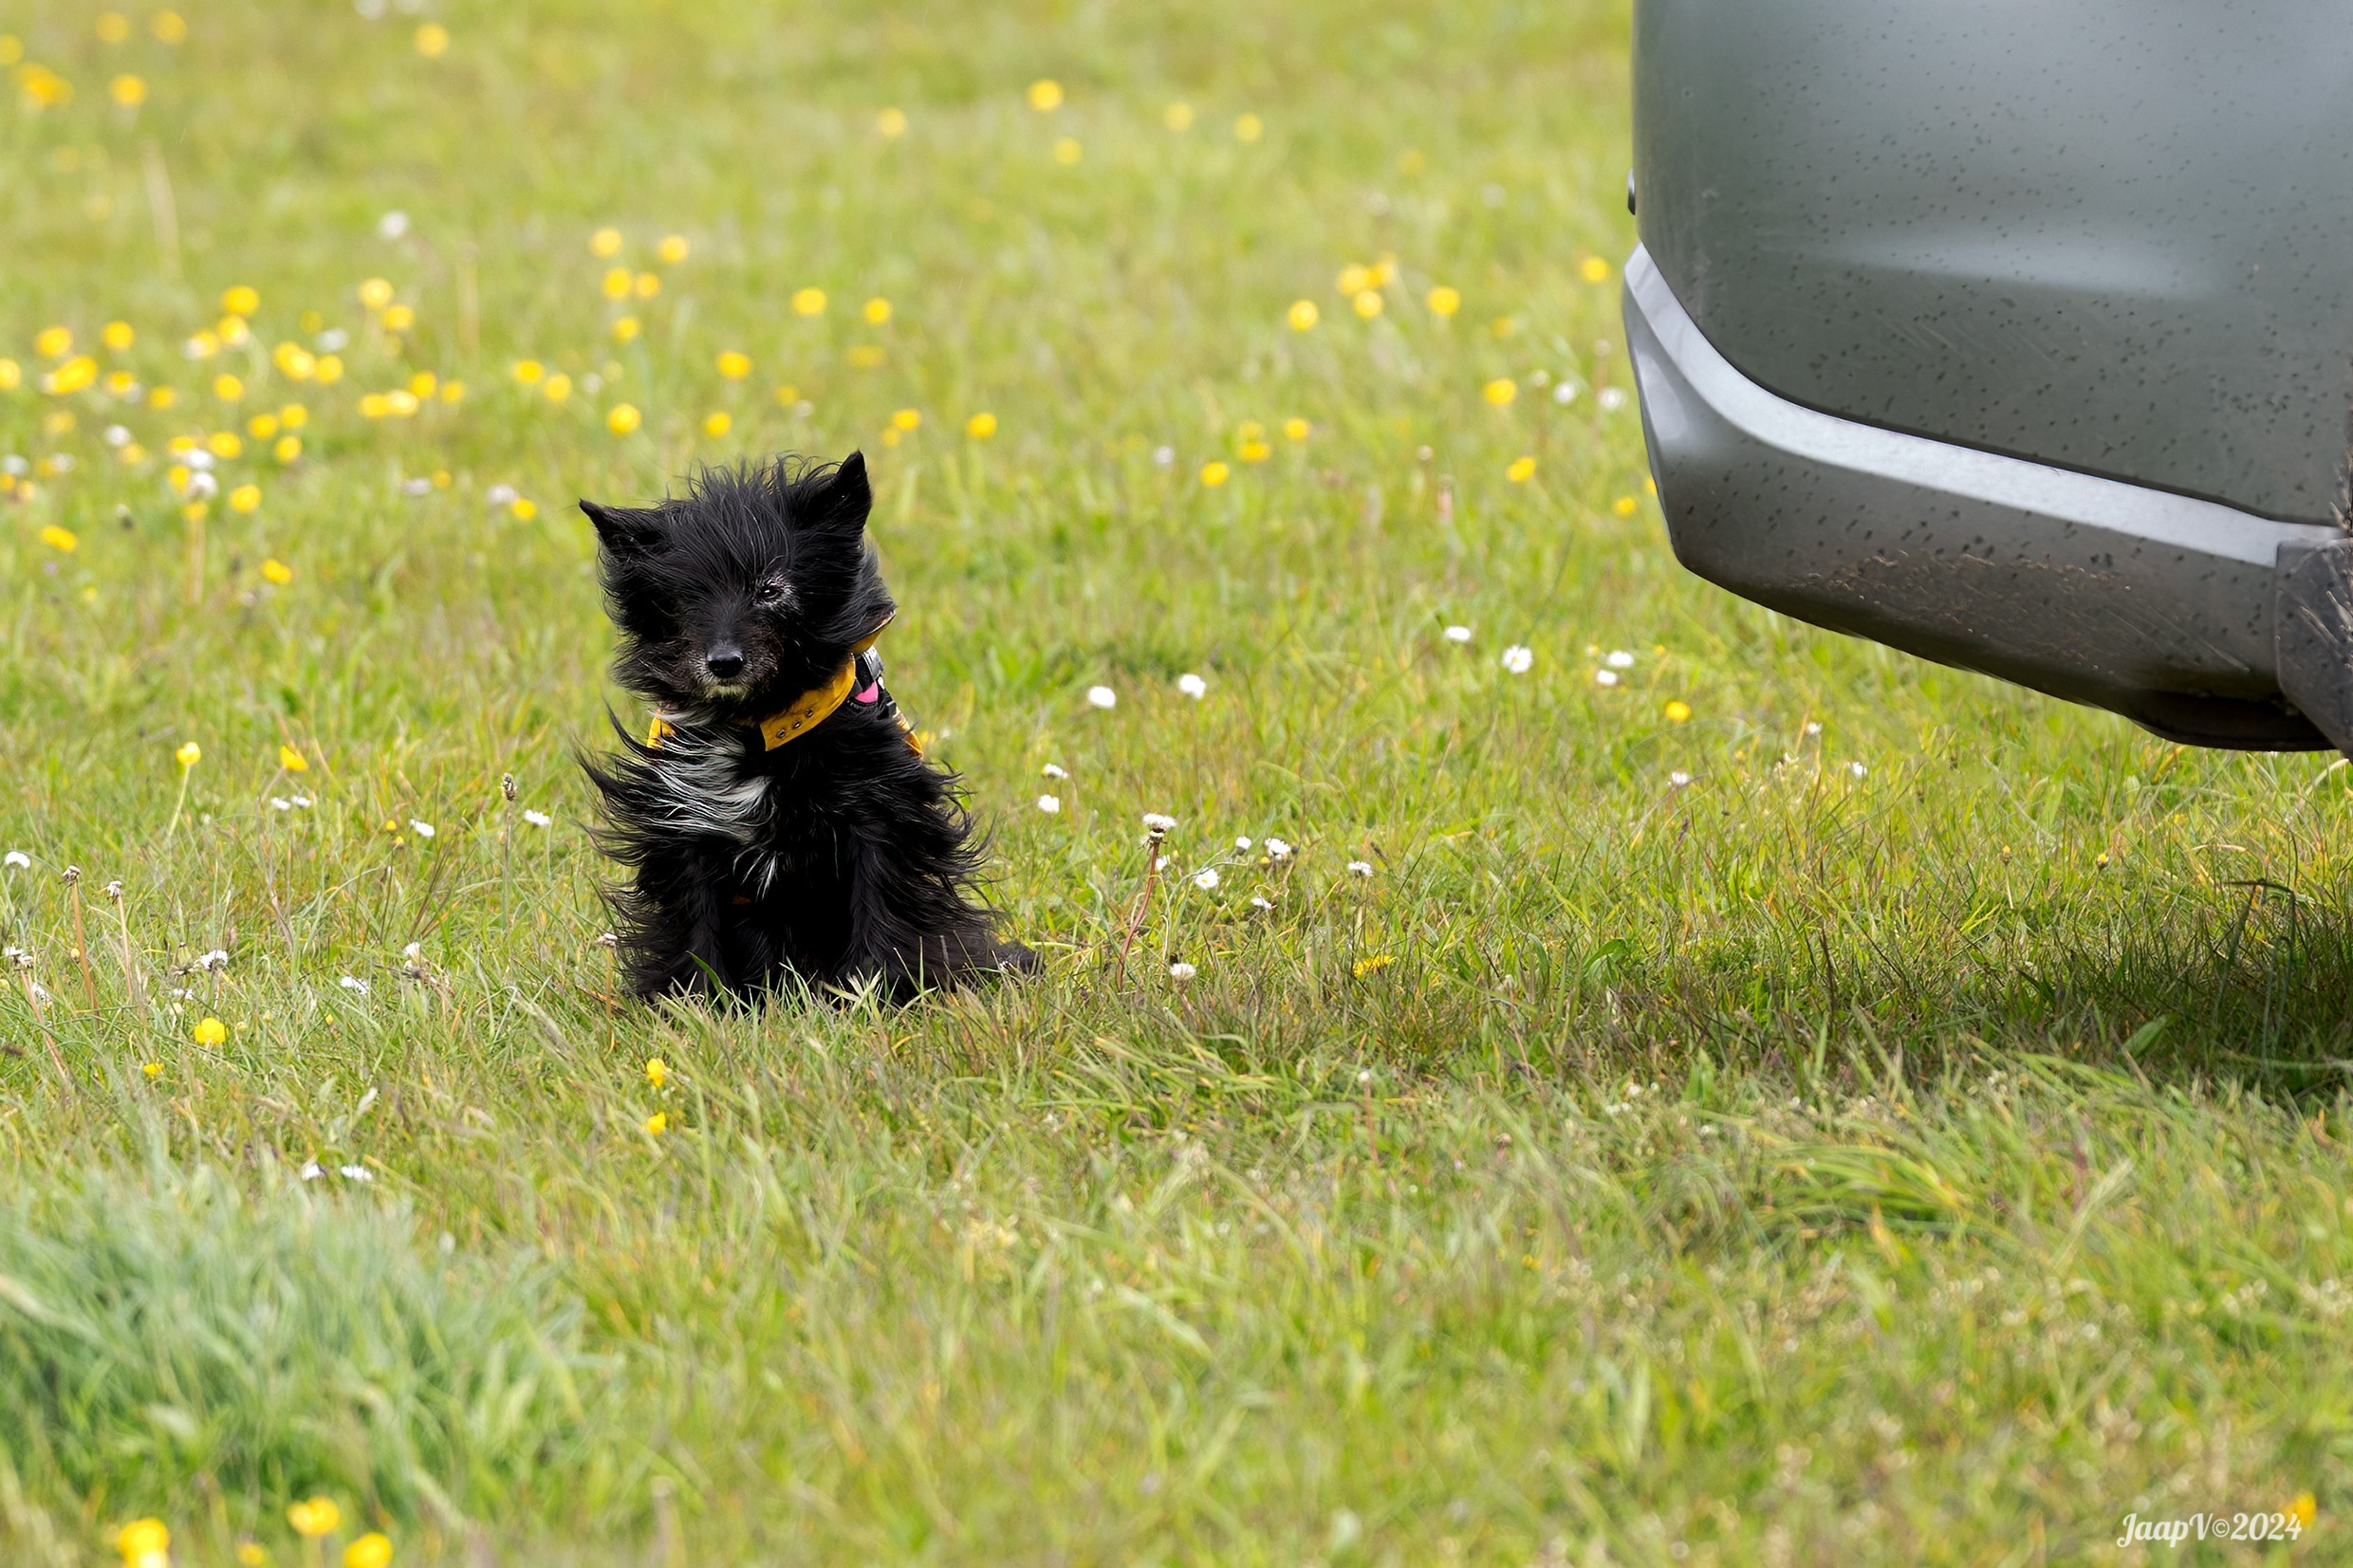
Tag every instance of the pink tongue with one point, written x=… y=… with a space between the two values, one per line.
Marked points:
x=870 y=692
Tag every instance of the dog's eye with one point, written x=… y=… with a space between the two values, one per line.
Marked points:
x=770 y=592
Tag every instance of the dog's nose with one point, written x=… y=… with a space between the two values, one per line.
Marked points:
x=725 y=662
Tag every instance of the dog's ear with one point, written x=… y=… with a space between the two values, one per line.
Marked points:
x=842 y=499
x=625 y=530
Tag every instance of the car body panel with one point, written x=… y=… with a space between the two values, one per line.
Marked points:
x=2109 y=235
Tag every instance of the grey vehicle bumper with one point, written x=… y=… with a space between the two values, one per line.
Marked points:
x=2161 y=607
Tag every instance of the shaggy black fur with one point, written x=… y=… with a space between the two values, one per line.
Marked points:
x=842 y=856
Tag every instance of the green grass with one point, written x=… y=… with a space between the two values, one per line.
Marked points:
x=1929 y=1165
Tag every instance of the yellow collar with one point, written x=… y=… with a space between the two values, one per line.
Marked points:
x=804 y=712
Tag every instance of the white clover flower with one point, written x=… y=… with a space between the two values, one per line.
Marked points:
x=1102 y=696
x=1159 y=821
x=1360 y=868
x=1049 y=804
x=1192 y=685
x=1206 y=879
x=1278 y=850
x=1855 y=769
x=353 y=983
x=1679 y=778
x=1459 y=633
x=423 y=830
x=19 y=860
x=1619 y=659
x=1605 y=677
x=393 y=225
x=537 y=819
x=1519 y=660
x=1243 y=843
x=1612 y=399
x=1055 y=770
x=310 y=1171
x=354 y=1173
x=1181 y=971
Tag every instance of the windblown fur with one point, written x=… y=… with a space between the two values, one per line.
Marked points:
x=842 y=857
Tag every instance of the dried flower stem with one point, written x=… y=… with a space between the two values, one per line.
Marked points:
x=41 y=1020
x=505 y=851
x=82 y=943
x=132 y=980
x=1143 y=903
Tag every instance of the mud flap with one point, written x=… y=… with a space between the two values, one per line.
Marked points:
x=2312 y=636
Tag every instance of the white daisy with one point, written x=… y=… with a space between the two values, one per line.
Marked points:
x=1181 y=971
x=1360 y=868
x=423 y=830
x=1605 y=677
x=1459 y=633
x=353 y=983
x=1102 y=696
x=1278 y=850
x=537 y=819
x=1518 y=659
x=1049 y=804
x=1205 y=879
x=1192 y=685
x=1619 y=659
x=1055 y=770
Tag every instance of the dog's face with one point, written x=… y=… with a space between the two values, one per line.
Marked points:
x=746 y=592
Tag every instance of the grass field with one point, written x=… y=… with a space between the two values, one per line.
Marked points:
x=1702 y=1136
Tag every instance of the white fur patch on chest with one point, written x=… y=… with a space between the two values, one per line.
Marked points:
x=702 y=785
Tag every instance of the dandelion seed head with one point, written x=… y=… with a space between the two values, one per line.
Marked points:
x=1181 y=971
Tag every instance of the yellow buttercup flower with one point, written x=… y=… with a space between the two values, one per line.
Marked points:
x=211 y=1031
x=12 y=375
x=557 y=387
x=892 y=124
x=400 y=318
x=877 y=311
x=315 y=1518
x=225 y=443
x=809 y=302
x=981 y=426
x=112 y=27
x=528 y=371
x=907 y=418
x=289 y=759
x=376 y=293
x=1367 y=304
x=433 y=39
x=53 y=343
x=1067 y=151
x=622 y=419
x=1302 y=315
x=241 y=300
x=657 y=1071
x=227 y=388
x=1593 y=270
x=280 y=573
x=1500 y=390
x=421 y=386
x=287 y=449
x=252 y=1554
x=1249 y=128
x=718 y=424
x=59 y=538
x=617 y=284
x=657 y=1123
x=153 y=1069
x=604 y=242
x=1178 y=117
x=626 y=328
x=262 y=426
x=72 y=376
x=1044 y=95
x=1443 y=301
x=245 y=498
x=864 y=356
x=646 y=285
x=169 y=27
x=1214 y=474
x=330 y=372
x=1295 y=429
x=145 y=1542
x=1373 y=965
x=1354 y=279
x=1677 y=711
x=1521 y=471
x=1623 y=505
x=673 y=250
x=118 y=336
x=189 y=754
x=127 y=90
x=372 y=1550
x=735 y=365
x=524 y=509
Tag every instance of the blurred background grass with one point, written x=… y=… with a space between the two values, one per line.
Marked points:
x=1701 y=1137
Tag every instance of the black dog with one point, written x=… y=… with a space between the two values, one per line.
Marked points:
x=779 y=820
